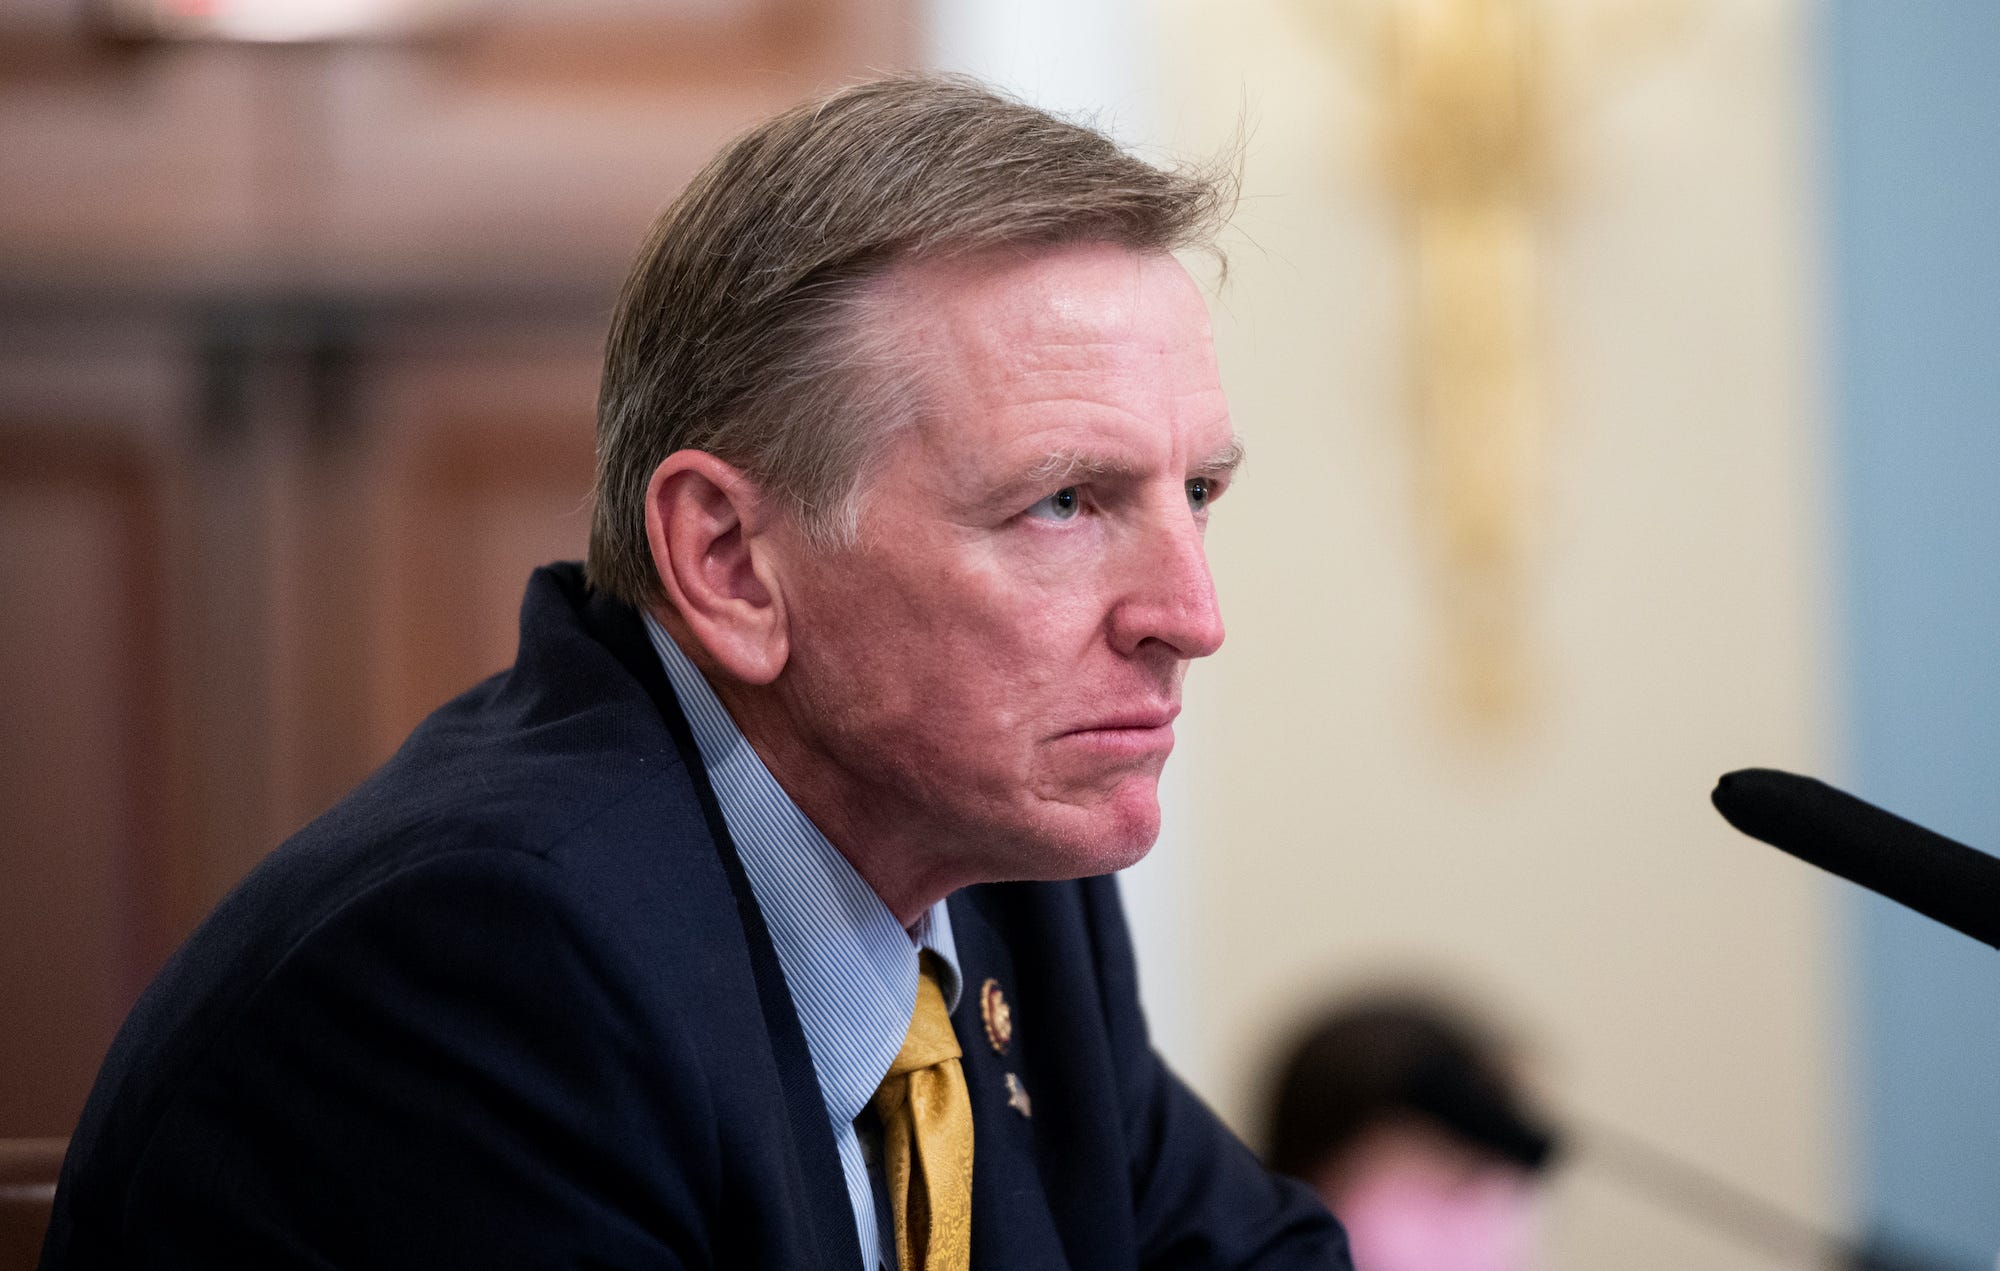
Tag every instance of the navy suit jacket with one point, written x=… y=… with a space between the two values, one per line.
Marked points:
x=511 y=1004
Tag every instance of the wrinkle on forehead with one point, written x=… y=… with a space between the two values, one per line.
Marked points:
x=1063 y=308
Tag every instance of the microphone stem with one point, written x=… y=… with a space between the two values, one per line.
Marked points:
x=1713 y=1201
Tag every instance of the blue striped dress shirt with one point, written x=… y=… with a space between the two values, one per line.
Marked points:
x=850 y=966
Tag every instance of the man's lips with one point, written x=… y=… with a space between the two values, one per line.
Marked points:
x=1142 y=725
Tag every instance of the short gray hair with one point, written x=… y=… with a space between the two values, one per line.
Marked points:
x=743 y=327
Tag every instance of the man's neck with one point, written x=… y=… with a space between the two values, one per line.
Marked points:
x=887 y=847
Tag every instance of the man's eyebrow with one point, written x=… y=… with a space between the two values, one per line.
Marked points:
x=1069 y=467
x=1222 y=462
x=1073 y=467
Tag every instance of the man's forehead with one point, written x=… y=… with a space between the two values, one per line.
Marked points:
x=1051 y=304
x=1080 y=359
x=1011 y=443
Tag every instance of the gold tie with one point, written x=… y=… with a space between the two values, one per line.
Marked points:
x=927 y=1139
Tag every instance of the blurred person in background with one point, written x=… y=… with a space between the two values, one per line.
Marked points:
x=1406 y=1119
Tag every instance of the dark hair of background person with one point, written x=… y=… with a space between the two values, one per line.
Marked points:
x=1392 y=1058
x=741 y=331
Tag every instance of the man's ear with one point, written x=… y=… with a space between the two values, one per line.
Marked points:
x=704 y=522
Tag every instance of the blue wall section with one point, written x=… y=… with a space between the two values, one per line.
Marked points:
x=1913 y=150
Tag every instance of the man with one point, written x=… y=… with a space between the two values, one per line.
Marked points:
x=734 y=926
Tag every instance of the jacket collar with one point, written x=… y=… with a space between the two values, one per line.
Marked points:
x=559 y=593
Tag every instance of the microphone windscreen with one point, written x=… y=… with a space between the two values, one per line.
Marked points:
x=1940 y=878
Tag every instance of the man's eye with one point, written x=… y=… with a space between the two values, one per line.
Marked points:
x=1060 y=506
x=1199 y=492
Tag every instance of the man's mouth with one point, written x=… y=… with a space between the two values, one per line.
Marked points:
x=1140 y=730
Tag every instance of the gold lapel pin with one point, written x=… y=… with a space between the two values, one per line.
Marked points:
x=999 y=1019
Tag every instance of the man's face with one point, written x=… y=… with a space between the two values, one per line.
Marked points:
x=991 y=675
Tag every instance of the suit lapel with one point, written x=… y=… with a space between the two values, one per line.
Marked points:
x=816 y=1173
x=1011 y=1222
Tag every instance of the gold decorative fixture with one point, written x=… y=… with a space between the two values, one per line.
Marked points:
x=1469 y=119
x=1467 y=135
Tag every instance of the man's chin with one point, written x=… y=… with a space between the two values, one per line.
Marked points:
x=1100 y=838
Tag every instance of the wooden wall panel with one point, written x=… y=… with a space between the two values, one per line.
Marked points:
x=478 y=513
x=321 y=330
x=83 y=852
x=485 y=471
x=527 y=151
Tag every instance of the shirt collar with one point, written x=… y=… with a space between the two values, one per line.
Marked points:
x=850 y=966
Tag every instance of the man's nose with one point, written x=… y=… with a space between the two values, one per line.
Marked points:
x=1169 y=596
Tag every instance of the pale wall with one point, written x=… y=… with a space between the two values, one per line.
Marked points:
x=1676 y=981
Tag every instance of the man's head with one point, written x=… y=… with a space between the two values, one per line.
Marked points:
x=908 y=429
x=742 y=330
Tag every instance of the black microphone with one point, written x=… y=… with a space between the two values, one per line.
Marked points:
x=1943 y=880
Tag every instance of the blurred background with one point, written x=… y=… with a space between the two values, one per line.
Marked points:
x=1620 y=380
